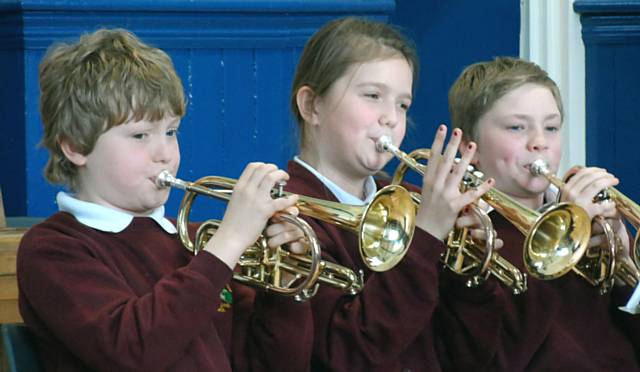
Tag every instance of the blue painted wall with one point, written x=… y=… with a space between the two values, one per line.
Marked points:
x=451 y=35
x=611 y=33
x=236 y=59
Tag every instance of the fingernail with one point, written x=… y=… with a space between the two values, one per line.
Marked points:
x=470 y=147
x=441 y=128
x=456 y=132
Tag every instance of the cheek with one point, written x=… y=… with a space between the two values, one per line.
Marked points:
x=555 y=149
x=398 y=133
x=507 y=149
x=498 y=159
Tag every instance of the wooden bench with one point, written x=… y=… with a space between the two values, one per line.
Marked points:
x=9 y=240
x=9 y=313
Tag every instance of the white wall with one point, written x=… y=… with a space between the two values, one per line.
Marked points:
x=550 y=35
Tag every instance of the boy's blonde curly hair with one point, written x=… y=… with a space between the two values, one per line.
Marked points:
x=105 y=79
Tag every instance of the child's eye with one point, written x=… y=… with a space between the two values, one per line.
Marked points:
x=405 y=106
x=372 y=95
x=172 y=132
x=515 y=127
x=140 y=136
x=553 y=128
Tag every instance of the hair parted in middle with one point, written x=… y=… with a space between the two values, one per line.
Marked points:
x=338 y=45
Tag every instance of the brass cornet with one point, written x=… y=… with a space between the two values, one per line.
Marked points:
x=384 y=227
x=601 y=266
x=261 y=266
x=564 y=229
x=464 y=255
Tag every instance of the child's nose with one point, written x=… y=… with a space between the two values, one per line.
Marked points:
x=388 y=118
x=538 y=142
x=162 y=152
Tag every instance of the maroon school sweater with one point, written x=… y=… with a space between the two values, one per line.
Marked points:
x=412 y=317
x=137 y=300
x=588 y=332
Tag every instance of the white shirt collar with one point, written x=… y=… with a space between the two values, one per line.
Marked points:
x=551 y=194
x=106 y=219
x=344 y=197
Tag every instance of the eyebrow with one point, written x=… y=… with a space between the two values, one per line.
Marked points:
x=527 y=117
x=383 y=87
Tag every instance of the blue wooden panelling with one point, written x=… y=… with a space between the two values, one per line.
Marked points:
x=13 y=149
x=611 y=33
x=451 y=35
x=236 y=60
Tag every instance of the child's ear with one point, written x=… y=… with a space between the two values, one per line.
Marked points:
x=465 y=143
x=306 y=98
x=71 y=152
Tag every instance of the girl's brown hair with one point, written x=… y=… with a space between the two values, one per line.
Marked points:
x=337 y=46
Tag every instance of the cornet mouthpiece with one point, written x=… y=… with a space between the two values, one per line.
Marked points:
x=539 y=167
x=383 y=143
x=165 y=179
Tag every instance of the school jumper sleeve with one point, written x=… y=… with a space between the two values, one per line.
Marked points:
x=135 y=300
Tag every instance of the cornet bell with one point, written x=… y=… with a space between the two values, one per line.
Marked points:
x=386 y=230
x=557 y=242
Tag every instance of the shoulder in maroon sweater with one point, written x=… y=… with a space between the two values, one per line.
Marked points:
x=583 y=329
x=137 y=300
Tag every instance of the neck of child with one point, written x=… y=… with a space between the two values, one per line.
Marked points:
x=350 y=184
x=91 y=198
x=532 y=202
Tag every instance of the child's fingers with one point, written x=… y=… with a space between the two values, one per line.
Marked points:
x=447 y=160
x=270 y=181
x=607 y=209
x=579 y=174
x=592 y=185
x=588 y=181
x=467 y=220
x=596 y=229
x=435 y=158
x=275 y=228
x=438 y=140
x=472 y=195
x=479 y=235
x=597 y=240
x=255 y=183
x=298 y=247
x=461 y=168
x=247 y=174
x=280 y=204
x=294 y=211
x=286 y=234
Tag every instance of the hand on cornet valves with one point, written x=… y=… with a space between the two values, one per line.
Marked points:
x=442 y=200
x=469 y=220
x=583 y=187
x=249 y=209
x=599 y=239
x=281 y=233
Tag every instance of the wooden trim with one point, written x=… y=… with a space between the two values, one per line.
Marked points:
x=3 y=217
x=199 y=24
